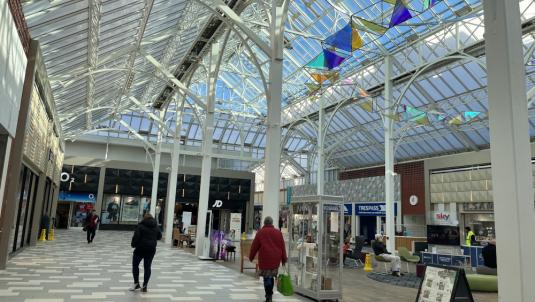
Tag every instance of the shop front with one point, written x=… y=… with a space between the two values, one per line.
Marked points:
x=463 y=197
x=127 y=197
x=366 y=218
x=25 y=205
x=76 y=205
x=77 y=195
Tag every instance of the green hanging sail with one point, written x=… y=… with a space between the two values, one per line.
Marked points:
x=318 y=62
x=428 y=4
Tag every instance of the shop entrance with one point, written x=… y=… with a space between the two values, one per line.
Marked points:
x=368 y=227
x=62 y=215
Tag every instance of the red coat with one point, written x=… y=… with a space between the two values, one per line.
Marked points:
x=270 y=247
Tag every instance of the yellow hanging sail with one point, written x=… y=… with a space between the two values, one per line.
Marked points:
x=394 y=117
x=367 y=106
x=373 y=26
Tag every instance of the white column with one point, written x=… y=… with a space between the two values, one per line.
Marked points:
x=273 y=144
x=208 y=133
x=355 y=221
x=175 y=157
x=320 y=182
x=390 y=226
x=512 y=178
x=156 y=169
x=378 y=224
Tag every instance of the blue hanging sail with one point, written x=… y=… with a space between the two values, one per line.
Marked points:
x=400 y=14
x=341 y=39
x=332 y=59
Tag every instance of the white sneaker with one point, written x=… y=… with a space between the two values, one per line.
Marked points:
x=135 y=287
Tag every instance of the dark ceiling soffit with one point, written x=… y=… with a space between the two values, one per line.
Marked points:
x=210 y=32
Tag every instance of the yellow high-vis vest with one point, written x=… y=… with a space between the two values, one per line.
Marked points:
x=468 y=236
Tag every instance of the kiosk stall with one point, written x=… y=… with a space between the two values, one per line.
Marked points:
x=315 y=252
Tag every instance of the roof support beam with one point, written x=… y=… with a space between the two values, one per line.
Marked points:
x=92 y=55
x=181 y=86
x=151 y=115
x=228 y=15
x=137 y=135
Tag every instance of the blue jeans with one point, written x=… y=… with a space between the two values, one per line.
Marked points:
x=269 y=283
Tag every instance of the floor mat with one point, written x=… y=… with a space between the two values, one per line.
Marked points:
x=407 y=280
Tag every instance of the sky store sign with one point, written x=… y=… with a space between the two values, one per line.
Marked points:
x=443 y=218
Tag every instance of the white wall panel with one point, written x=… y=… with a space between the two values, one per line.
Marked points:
x=12 y=70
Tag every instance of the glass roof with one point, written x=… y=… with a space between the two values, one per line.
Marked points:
x=103 y=85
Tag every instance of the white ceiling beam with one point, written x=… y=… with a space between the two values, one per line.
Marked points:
x=179 y=85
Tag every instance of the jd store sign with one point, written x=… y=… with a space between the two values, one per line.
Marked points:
x=217 y=204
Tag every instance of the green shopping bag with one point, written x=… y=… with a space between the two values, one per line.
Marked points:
x=284 y=284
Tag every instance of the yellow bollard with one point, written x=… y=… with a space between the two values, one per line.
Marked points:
x=368 y=264
x=42 y=237
x=51 y=234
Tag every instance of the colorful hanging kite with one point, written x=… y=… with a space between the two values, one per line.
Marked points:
x=401 y=14
x=372 y=26
x=347 y=38
x=470 y=115
x=395 y=117
x=456 y=121
x=318 y=62
x=422 y=120
x=332 y=59
x=312 y=87
x=428 y=4
x=363 y=93
x=414 y=114
x=323 y=77
x=367 y=106
x=326 y=60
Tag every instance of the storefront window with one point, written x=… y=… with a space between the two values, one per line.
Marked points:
x=144 y=208
x=79 y=213
x=111 y=209
x=482 y=224
x=130 y=210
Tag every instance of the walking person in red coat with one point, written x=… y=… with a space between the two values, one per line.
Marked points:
x=271 y=250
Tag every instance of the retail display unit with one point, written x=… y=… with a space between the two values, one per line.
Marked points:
x=315 y=246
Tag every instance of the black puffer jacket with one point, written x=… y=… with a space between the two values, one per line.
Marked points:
x=146 y=236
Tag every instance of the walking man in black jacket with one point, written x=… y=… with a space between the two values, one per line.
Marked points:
x=144 y=243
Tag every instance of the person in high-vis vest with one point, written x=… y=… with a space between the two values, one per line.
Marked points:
x=470 y=237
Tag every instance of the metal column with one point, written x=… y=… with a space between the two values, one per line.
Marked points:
x=208 y=133
x=320 y=181
x=273 y=144
x=510 y=151
x=175 y=157
x=156 y=169
x=100 y=190
x=389 y=157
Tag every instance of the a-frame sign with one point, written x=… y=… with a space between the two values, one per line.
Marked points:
x=444 y=284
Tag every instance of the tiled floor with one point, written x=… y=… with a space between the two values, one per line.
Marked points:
x=357 y=287
x=69 y=269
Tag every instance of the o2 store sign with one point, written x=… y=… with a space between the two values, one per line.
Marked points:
x=66 y=177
